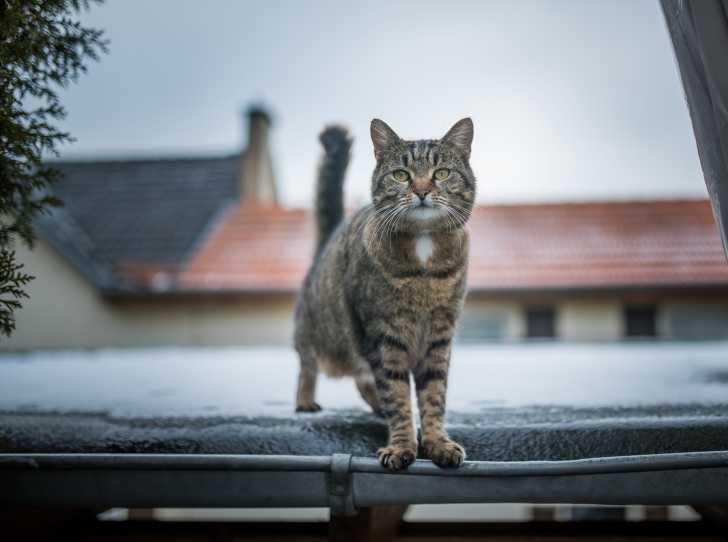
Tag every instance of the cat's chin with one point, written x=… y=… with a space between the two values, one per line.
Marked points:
x=423 y=213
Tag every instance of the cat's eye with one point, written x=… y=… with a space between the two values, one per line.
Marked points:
x=442 y=174
x=400 y=175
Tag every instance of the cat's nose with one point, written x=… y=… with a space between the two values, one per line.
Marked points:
x=422 y=192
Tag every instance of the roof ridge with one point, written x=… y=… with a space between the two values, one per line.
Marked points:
x=586 y=203
x=139 y=159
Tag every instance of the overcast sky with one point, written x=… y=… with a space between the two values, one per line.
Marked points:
x=571 y=100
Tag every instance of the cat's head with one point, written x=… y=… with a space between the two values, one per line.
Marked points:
x=423 y=185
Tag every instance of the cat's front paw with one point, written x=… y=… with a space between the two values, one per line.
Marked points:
x=397 y=457
x=308 y=407
x=445 y=453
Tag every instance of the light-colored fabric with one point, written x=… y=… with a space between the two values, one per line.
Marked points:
x=699 y=32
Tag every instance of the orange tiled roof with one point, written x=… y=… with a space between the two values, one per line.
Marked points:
x=529 y=247
x=254 y=248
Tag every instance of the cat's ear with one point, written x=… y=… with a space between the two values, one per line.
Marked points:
x=382 y=137
x=461 y=136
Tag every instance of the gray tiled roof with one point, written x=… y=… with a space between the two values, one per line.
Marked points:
x=140 y=211
x=59 y=229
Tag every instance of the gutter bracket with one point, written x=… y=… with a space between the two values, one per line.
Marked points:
x=341 y=498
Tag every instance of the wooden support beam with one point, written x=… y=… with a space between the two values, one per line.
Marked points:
x=375 y=524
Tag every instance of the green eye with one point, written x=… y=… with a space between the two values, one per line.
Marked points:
x=400 y=175
x=442 y=174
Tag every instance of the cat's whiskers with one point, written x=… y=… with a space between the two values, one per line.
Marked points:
x=390 y=223
x=401 y=217
x=464 y=210
x=376 y=233
x=457 y=211
x=450 y=212
x=462 y=219
x=459 y=220
x=450 y=219
x=381 y=224
x=374 y=218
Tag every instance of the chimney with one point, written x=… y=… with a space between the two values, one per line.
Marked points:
x=257 y=182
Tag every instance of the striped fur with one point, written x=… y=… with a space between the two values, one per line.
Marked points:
x=371 y=308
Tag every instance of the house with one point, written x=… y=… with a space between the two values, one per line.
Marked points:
x=198 y=251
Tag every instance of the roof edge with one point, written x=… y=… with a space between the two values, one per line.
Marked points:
x=138 y=158
x=62 y=232
x=707 y=287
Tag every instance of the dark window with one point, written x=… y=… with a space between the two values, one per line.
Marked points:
x=540 y=323
x=640 y=321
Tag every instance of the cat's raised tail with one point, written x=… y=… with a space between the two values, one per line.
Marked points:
x=330 y=184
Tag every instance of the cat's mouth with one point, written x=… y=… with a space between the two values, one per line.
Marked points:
x=425 y=212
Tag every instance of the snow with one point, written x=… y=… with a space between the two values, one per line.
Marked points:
x=260 y=381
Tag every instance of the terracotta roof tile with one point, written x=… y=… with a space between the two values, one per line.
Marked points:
x=254 y=248
x=530 y=247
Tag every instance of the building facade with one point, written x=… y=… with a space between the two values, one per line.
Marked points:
x=199 y=252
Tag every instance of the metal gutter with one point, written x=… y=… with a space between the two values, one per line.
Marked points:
x=344 y=483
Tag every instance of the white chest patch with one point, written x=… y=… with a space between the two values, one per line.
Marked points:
x=423 y=248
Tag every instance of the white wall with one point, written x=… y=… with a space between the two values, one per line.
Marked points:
x=64 y=311
x=589 y=320
x=679 y=317
x=487 y=319
x=576 y=319
x=693 y=318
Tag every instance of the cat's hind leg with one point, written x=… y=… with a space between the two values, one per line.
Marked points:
x=306 y=392
x=367 y=387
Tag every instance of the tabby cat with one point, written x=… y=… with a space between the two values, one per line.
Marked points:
x=386 y=286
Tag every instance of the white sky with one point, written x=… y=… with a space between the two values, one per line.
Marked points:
x=571 y=100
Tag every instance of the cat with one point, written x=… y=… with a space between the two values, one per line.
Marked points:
x=386 y=287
